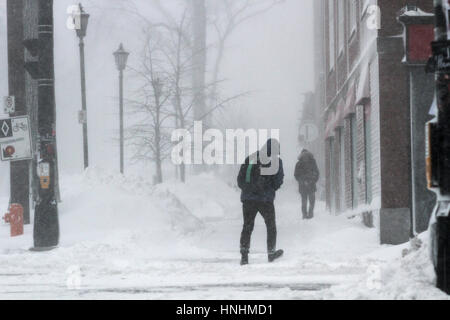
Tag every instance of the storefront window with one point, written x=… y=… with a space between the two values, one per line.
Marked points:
x=368 y=135
x=332 y=176
x=353 y=15
x=341 y=26
x=342 y=169
x=354 y=141
x=332 y=46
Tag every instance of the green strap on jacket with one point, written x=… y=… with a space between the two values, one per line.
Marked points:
x=249 y=173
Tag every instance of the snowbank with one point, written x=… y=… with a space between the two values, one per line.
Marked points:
x=206 y=196
x=394 y=273
x=104 y=208
x=107 y=202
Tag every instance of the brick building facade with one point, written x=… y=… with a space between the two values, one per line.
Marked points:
x=363 y=91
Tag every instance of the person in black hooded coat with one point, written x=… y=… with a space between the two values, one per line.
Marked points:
x=307 y=175
x=258 y=195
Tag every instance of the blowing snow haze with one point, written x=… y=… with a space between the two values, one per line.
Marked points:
x=265 y=58
x=341 y=212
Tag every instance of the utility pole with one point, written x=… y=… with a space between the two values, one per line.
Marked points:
x=19 y=170
x=46 y=225
x=438 y=149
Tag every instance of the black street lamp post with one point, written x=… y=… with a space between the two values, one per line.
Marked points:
x=81 y=28
x=121 y=57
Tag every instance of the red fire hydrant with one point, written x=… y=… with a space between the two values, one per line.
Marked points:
x=15 y=219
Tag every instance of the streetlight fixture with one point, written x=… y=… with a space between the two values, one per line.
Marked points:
x=121 y=57
x=83 y=22
x=81 y=29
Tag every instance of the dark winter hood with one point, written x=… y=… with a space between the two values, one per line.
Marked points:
x=265 y=150
x=271 y=144
x=306 y=155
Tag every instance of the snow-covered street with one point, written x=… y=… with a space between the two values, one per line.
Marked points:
x=122 y=238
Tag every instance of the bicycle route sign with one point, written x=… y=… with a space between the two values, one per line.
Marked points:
x=15 y=139
x=9 y=104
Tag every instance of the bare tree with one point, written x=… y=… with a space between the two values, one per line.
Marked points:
x=181 y=65
x=222 y=17
x=226 y=16
x=150 y=135
x=180 y=62
x=199 y=27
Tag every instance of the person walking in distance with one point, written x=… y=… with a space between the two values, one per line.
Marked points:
x=307 y=175
x=259 y=178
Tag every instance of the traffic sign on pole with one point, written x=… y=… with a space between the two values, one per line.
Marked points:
x=82 y=117
x=309 y=132
x=9 y=105
x=15 y=139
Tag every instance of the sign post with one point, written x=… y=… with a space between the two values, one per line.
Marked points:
x=16 y=100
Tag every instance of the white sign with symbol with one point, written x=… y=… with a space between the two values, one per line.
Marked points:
x=43 y=169
x=309 y=132
x=15 y=139
x=82 y=117
x=9 y=104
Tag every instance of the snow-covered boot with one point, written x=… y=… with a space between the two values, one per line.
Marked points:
x=244 y=259
x=275 y=255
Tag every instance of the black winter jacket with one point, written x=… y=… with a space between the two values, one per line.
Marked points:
x=307 y=173
x=266 y=186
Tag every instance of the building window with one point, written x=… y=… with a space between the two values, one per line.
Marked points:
x=353 y=14
x=354 y=159
x=332 y=181
x=342 y=168
x=331 y=33
x=328 y=169
x=365 y=4
x=368 y=142
x=341 y=26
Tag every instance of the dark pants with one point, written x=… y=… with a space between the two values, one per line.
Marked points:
x=311 y=197
x=250 y=210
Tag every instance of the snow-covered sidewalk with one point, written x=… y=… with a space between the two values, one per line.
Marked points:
x=125 y=239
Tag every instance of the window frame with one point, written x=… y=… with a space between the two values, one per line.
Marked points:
x=364 y=5
x=341 y=8
x=331 y=35
x=353 y=18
